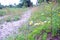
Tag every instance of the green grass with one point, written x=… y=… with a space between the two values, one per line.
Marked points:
x=20 y=37
x=44 y=36
x=13 y=14
x=2 y=13
x=12 y=11
x=10 y=18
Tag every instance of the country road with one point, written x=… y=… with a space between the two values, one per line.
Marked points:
x=10 y=28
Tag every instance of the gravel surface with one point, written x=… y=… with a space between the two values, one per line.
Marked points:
x=11 y=28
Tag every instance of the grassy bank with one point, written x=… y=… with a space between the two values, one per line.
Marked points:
x=11 y=14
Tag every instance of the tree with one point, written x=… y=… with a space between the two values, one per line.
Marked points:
x=40 y=1
x=26 y=3
x=1 y=6
x=54 y=1
x=20 y=5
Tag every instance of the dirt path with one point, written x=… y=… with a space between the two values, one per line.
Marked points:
x=9 y=28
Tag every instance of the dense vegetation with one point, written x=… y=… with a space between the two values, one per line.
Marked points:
x=44 y=20
x=23 y=3
x=11 y=14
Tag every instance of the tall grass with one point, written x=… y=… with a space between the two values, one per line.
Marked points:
x=2 y=13
x=11 y=14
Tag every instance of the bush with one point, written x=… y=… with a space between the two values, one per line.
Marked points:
x=8 y=19
x=51 y=14
x=20 y=37
x=2 y=13
x=58 y=1
x=16 y=18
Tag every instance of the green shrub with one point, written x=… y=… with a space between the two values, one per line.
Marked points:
x=58 y=1
x=15 y=18
x=2 y=13
x=44 y=36
x=53 y=15
x=19 y=37
x=40 y=1
x=8 y=19
x=15 y=37
x=36 y=31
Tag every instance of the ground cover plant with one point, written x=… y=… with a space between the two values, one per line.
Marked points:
x=2 y=12
x=49 y=18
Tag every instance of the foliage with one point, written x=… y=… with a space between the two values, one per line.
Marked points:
x=15 y=37
x=8 y=19
x=9 y=38
x=40 y=1
x=20 y=5
x=49 y=14
x=58 y=1
x=1 y=6
x=56 y=21
x=19 y=37
x=15 y=18
x=44 y=36
x=37 y=30
x=11 y=14
x=26 y=3
x=2 y=13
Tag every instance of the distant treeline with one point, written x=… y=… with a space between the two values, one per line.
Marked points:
x=23 y=3
x=27 y=3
